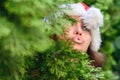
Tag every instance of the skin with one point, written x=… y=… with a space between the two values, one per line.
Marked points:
x=79 y=35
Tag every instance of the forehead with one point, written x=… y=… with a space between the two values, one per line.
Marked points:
x=78 y=18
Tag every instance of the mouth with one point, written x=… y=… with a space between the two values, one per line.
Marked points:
x=78 y=40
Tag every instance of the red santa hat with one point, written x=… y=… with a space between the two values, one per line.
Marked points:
x=92 y=19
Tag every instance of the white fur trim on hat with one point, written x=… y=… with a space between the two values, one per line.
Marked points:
x=92 y=19
x=96 y=39
x=73 y=9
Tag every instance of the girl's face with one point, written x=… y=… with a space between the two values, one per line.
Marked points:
x=79 y=35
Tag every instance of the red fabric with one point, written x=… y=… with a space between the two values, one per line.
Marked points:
x=85 y=6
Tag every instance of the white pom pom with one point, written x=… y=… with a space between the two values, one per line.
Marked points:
x=93 y=18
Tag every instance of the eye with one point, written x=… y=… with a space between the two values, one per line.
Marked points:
x=85 y=28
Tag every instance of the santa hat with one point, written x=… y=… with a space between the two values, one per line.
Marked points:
x=92 y=19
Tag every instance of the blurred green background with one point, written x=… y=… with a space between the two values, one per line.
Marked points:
x=23 y=33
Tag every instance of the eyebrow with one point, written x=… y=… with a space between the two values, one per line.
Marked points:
x=77 y=18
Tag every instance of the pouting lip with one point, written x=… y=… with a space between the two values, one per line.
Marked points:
x=77 y=40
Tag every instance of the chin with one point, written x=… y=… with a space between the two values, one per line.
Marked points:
x=78 y=47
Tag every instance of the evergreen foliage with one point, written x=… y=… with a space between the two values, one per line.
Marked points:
x=60 y=62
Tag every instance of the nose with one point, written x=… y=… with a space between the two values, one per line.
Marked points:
x=78 y=30
x=78 y=33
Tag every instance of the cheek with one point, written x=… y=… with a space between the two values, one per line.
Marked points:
x=69 y=33
x=88 y=40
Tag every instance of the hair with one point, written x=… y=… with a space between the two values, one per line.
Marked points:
x=98 y=59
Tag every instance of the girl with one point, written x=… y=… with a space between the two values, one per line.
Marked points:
x=84 y=34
